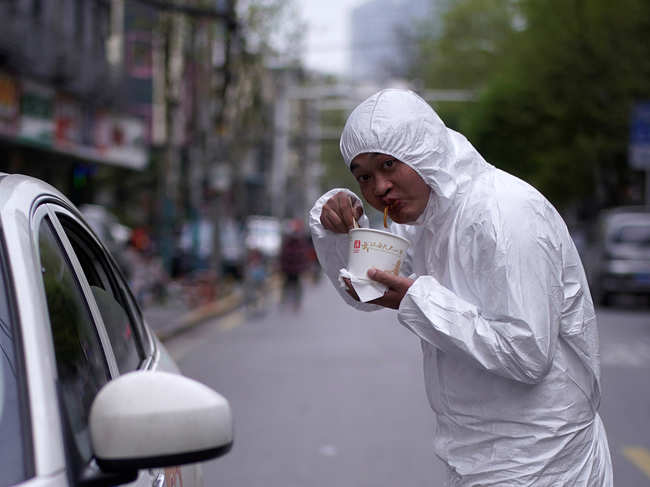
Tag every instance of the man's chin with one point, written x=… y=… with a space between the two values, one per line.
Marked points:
x=402 y=219
x=398 y=217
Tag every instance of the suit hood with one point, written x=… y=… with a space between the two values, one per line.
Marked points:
x=401 y=124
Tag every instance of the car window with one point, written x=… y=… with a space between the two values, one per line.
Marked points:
x=633 y=234
x=111 y=302
x=80 y=360
x=12 y=446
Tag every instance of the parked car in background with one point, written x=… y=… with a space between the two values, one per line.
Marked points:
x=620 y=260
x=88 y=394
x=264 y=233
x=106 y=226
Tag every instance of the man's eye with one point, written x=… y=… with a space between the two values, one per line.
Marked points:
x=389 y=163
x=363 y=178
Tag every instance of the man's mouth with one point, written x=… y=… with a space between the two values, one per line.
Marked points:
x=393 y=204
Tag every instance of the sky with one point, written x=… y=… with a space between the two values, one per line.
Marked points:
x=326 y=40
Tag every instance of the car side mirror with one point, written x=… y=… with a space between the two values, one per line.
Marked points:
x=155 y=419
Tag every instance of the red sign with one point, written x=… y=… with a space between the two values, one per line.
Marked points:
x=67 y=122
x=9 y=104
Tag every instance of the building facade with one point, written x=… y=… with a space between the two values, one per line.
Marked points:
x=66 y=110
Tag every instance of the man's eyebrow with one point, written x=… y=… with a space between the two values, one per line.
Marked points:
x=354 y=166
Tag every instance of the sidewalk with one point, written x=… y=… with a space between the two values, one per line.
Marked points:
x=175 y=316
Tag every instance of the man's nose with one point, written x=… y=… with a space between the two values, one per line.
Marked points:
x=382 y=185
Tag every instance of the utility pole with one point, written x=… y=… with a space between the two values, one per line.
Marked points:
x=281 y=127
x=218 y=157
x=173 y=27
x=181 y=22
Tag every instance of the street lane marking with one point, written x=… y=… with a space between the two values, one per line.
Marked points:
x=640 y=457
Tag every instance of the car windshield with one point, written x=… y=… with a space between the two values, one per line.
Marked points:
x=637 y=234
x=12 y=447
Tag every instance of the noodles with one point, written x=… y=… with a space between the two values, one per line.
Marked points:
x=385 y=216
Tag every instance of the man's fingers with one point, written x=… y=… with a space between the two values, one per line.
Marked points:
x=383 y=277
x=344 y=203
x=358 y=210
x=350 y=289
x=348 y=216
x=339 y=213
x=332 y=221
x=397 y=287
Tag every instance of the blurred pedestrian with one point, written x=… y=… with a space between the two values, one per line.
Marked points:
x=294 y=261
x=145 y=272
x=494 y=288
x=255 y=276
x=135 y=268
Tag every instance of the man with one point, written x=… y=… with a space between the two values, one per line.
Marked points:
x=495 y=291
x=294 y=262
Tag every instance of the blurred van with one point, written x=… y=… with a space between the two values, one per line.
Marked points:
x=620 y=263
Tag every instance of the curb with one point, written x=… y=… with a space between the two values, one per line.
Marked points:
x=215 y=309
x=203 y=313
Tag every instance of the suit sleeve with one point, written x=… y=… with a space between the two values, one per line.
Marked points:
x=332 y=248
x=504 y=316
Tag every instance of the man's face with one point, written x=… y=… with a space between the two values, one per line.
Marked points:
x=385 y=181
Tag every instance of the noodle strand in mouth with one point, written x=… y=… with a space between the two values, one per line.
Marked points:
x=385 y=216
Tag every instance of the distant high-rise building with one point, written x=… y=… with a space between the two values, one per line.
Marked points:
x=378 y=30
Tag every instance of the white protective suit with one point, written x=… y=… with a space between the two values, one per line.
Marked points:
x=500 y=303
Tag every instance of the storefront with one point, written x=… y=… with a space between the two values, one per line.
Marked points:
x=73 y=145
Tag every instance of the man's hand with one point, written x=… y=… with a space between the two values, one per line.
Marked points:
x=350 y=290
x=397 y=288
x=340 y=211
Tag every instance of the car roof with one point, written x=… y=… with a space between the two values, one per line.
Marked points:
x=20 y=192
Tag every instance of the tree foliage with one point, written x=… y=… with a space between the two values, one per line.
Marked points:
x=469 y=47
x=557 y=80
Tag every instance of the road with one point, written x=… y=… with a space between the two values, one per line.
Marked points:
x=330 y=396
x=625 y=404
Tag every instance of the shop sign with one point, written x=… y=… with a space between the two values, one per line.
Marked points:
x=639 y=145
x=37 y=107
x=120 y=140
x=67 y=123
x=9 y=104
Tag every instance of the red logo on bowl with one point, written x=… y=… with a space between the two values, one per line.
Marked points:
x=357 y=246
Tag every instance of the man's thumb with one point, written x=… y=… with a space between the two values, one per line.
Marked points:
x=377 y=275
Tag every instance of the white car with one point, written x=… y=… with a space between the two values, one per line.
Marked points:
x=88 y=395
x=620 y=260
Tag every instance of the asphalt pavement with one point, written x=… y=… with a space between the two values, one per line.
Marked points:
x=324 y=398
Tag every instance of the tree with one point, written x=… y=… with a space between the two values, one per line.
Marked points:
x=559 y=115
x=557 y=86
x=469 y=48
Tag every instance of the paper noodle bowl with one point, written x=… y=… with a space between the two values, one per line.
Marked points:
x=375 y=248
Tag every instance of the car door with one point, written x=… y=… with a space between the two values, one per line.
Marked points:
x=16 y=463
x=96 y=327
